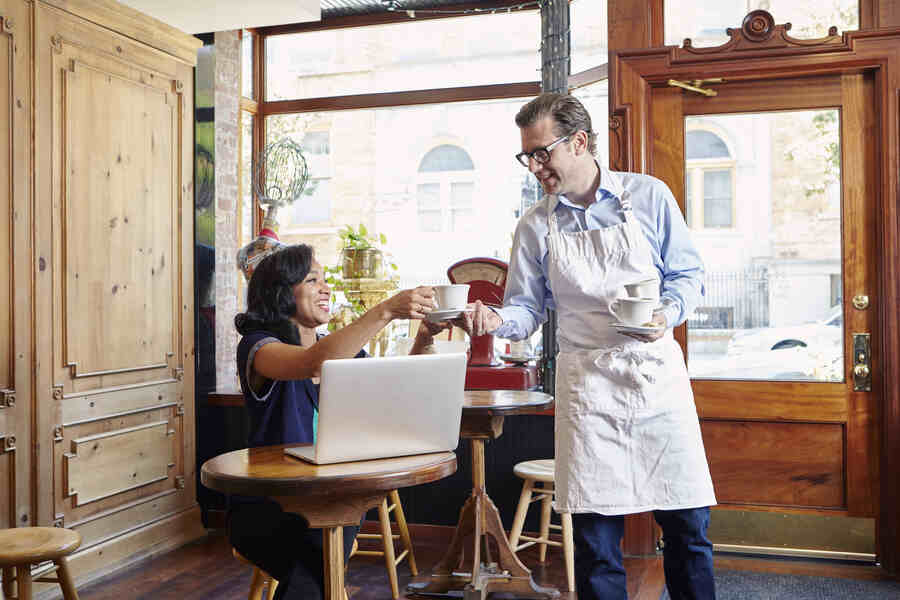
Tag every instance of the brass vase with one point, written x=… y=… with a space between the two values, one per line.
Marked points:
x=364 y=263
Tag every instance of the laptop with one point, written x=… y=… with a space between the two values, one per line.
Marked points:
x=384 y=407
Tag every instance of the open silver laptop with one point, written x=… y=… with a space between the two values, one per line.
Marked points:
x=383 y=407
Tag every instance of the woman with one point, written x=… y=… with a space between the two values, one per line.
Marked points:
x=279 y=359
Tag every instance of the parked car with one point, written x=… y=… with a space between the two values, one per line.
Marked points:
x=809 y=351
x=826 y=334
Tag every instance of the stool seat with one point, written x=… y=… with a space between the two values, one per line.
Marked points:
x=536 y=470
x=32 y=545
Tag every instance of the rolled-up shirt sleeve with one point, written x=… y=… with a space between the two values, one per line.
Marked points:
x=677 y=260
x=527 y=297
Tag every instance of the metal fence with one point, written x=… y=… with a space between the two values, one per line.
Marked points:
x=734 y=299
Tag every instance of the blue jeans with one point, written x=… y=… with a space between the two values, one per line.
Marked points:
x=687 y=555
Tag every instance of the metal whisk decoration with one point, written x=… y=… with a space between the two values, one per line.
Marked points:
x=281 y=173
x=279 y=179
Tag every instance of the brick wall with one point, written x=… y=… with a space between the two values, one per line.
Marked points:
x=227 y=96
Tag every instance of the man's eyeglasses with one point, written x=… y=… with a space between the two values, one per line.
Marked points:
x=540 y=155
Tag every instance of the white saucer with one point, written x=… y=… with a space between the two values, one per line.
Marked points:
x=622 y=327
x=446 y=314
x=516 y=359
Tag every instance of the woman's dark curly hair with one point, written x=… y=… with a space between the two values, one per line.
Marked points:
x=270 y=294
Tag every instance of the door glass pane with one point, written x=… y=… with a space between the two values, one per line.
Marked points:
x=705 y=22
x=770 y=240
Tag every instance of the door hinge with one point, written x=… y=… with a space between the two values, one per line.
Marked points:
x=9 y=398
x=179 y=482
x=58 y=433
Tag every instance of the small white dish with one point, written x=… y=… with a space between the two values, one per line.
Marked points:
x=436 y=316
x=623 y=328
x=515 y=359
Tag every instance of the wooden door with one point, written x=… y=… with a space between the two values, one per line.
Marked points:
x=114 y=283
x=802 y=444
x=15 y=266
x=789 y=440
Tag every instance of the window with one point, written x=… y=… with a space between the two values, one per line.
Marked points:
x=709 y=181
x=247 y=42
x=705 y=22
x=445 y=190
x=409 y=55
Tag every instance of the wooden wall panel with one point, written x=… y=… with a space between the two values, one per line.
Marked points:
x=120 y=165
x=106 y=525
x=83 y=407
x=7 y=102
x=105 y=464
x=781 y=464
x=74 y=510
x=7 y=483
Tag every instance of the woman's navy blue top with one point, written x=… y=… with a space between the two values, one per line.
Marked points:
x=283 y=412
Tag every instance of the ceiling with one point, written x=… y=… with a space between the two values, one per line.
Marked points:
x=199 y=16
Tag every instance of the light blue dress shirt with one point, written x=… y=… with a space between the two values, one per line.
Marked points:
x=528 y=292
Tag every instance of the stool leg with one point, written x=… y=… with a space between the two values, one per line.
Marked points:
x=8 y=576
x=546 y=505
x=273 y=585
x=65 y=579
x=388 y=541
x=404 y=532
x=256 y=585
x=568 y=549
x=521 y=511
x=23 y=582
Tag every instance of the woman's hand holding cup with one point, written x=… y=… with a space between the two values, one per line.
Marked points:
x=411 y=304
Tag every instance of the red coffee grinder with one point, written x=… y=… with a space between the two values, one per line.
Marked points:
x=487 y=280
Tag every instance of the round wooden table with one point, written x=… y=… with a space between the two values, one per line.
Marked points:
x=482 y=419
x=328 y=496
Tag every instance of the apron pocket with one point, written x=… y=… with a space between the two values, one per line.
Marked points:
x=636 y=378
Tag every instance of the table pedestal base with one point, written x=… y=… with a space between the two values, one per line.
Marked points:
x=480 y=518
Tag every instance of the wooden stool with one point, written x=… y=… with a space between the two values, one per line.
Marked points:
x=22 y=547
x=538 y=477
x=387 y=541
x=261 y=579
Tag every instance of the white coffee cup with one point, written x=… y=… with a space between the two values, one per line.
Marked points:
x=451 y=296
x=635 y=312
x=646 y=288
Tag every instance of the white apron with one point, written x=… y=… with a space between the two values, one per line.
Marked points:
x=627 y=432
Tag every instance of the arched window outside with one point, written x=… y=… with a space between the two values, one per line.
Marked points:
x=445 y=190
x=709 y=181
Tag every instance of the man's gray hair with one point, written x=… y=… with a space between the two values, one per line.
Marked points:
x=567 y=112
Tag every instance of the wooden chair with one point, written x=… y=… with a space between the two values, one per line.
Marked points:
x=538 y=485
x=22 y=547
x=387 y=541
x=261 y=579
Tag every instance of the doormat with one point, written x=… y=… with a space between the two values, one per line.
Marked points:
x=744 y=585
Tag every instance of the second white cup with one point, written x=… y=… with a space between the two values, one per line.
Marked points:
x=451 y=296
x=646 y=288
x=635 y=312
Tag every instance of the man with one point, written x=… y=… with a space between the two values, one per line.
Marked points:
x=627 y=433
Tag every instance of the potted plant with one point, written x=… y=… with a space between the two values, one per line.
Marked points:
x=361 y=258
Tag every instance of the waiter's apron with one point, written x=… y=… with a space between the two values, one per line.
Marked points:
x=627 y=432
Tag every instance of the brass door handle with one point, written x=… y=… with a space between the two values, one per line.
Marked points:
x=862 y=361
